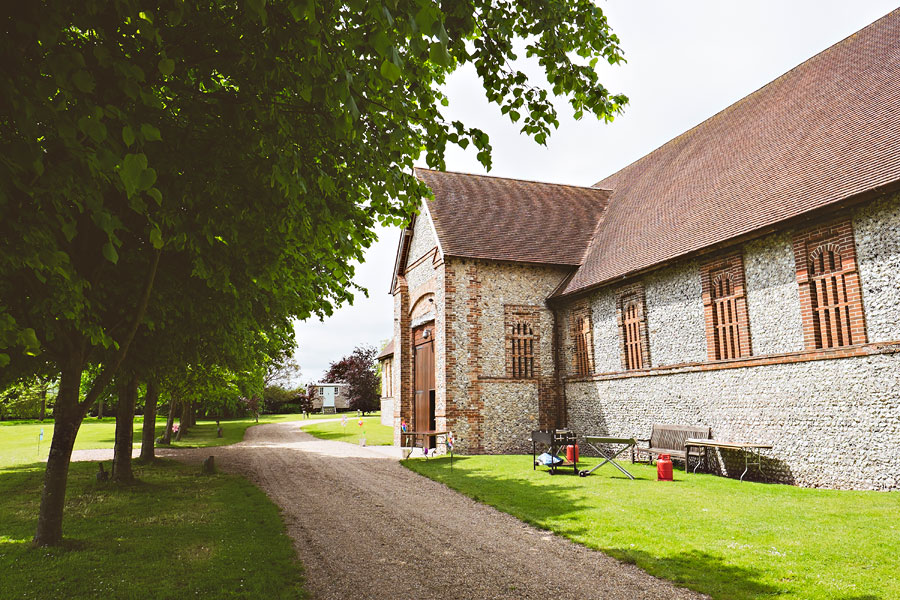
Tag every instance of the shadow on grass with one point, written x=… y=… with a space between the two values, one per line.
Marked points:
x=560 y=504
x=194 y=528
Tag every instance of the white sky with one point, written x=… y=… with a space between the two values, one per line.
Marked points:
x=686 y=62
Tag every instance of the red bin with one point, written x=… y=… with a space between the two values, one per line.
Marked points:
x=664 y=467
x=572 y=453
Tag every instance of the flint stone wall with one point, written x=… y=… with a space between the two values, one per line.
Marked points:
x=423 y=240
x=675 y=306
x=773 y=296
x=487 y=415
x=833 y=423
x=876 y=228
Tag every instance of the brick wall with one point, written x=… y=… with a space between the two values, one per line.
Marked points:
x=488 y=410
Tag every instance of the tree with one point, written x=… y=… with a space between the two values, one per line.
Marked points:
x=244 y=150
x=359 y=371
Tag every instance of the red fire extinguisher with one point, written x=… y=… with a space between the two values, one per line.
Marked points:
x=572 y=453
x=664 y=467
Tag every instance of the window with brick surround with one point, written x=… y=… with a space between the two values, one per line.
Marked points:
x=632 y=320
x=725 y=308
x=830 y=297
x=522 y=325
x=582 y=340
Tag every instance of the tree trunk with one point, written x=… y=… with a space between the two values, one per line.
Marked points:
x=67 y=419
x=170 y=421
x=182 y=421
x=148 y=432
x=121 y=468
x=100 y=408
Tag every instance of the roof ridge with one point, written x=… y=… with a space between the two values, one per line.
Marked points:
x=746 y=98
x=571 y=185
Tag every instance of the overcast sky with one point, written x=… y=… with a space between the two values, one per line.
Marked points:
x=686 y=62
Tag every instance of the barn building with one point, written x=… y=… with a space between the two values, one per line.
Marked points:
x=743 y=276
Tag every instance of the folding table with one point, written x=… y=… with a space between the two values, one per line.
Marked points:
x=597 y=442
x=750 y=450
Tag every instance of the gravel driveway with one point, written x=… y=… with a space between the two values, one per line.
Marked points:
x=365 y=527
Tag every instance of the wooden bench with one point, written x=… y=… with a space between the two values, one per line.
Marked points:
x=670 y=439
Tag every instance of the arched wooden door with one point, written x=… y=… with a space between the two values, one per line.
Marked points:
x=424 y=403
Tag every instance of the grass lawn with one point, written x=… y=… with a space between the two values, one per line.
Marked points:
x=376 y=433
x=729 y=539
x=175 y=534
x=19 y=439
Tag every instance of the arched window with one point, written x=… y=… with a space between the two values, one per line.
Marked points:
x=830 y=291
x=725 y=307
x=523 y=340
x=829 y=298
x=726 y=330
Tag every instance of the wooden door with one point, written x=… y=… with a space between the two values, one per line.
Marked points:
x=423 y=409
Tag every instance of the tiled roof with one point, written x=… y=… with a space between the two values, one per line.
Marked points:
x=495 y=218
x=388 y=350
x=827 y=130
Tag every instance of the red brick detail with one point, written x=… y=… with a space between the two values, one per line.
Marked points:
x=470 y=408
x=403 y=408
x=725 y=308
x=753 y=361
x=522 y=324
x=581 y=326
x=830 y=292
x=450 y=413
x=631 y=318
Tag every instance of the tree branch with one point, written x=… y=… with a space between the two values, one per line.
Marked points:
x=109 y=371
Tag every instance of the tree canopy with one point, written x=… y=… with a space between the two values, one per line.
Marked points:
x=210 y=171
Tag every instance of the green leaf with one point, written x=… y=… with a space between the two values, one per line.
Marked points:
x=127 y=135
x=130 y=172
x=166 y=66
x=147 y=179
x=83 y=81
x=437 y=54
x=29 y=340
x=109 y=252
x=390 y=71
x=69 y=230
x=156 y=195
x=156 y=238
x=4 y=360
x=150 y=133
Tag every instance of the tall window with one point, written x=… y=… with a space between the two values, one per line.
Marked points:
x=631 y=331
x=725 y=305
x=831 y=301
x=726 y=334
x=582 y=333
x=522 y=323
x=387 y=378
x=631 y=317
x=829 y=298
x=522 y=352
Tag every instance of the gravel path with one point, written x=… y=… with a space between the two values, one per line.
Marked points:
x=366 y=527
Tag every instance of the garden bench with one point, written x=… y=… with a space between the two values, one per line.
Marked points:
x=670 y=439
